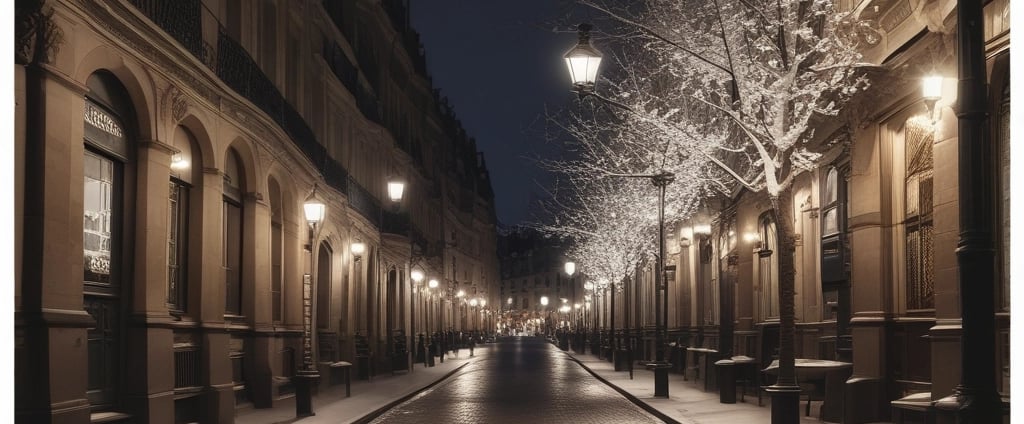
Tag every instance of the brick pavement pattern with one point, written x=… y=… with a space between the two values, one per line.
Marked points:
x=521 y=380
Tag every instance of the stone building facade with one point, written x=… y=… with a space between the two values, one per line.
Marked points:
x=877 y=227
x=181 y=140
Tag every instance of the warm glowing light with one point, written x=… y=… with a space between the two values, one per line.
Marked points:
x=178 y=162
x=570 y=268
x=432 y=283
x=483 y=302
x=544 y=300
x=314 y=208
x=358 y=248
x=751 y=237
x=460 y=293
x=416 y=275
x=472 y=302
x=931 y=87
x=395 y=190
x=583 y=60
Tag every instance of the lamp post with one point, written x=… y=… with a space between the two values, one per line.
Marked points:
x=583 y=61
x=570 y=269
x=308 y=376
x=417 y=278
x=544 y=306
x=395 y=188
x=432 y=285
x=473 y=303
x=462 y=308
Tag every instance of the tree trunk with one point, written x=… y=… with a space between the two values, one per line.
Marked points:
x=782 y=213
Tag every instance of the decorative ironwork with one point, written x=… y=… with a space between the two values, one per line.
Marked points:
x=340 y=65
x=187 y=364
x=394 y=223
x=362 y=201
x=181 y=19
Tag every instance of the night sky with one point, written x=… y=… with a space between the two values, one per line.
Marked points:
x=500 y=64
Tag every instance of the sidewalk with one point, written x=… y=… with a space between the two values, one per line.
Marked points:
x=331 y=405
x=687 y=402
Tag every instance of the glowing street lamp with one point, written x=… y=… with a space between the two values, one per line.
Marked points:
x=396 y=187
x=307 y=377
x=583 y=61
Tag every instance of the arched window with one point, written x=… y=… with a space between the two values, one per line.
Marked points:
x=918 y=140
x=232 y=233
x=768 y=269
x=830 y=202
x=107 y=162
x=323 y=287
x=709 y=286
x=178 y=211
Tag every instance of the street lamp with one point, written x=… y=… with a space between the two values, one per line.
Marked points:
x=583 y=62
x=396 y=188
x=417 y=277
x=432 y=285
x=357 y=249
x=931 y=93
x=308 y=376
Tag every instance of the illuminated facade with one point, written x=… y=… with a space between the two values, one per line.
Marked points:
x=180 y=139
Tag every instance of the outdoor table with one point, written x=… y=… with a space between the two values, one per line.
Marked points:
x=824 y=372
x=697 y=351
x=345 y=369
x=746 y=369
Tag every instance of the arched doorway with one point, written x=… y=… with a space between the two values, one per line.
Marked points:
x=108 y=167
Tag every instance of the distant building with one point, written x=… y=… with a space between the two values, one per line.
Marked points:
x=533 y=267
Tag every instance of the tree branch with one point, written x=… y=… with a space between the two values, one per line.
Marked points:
x=655 y=34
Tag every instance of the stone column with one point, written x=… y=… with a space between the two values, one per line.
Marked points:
x=51 y=338
x=871 y=292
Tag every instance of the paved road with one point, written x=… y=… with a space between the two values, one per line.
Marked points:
x=522 y=380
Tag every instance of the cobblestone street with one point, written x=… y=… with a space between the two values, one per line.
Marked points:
x=521 y=380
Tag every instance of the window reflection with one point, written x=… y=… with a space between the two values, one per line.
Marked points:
x=97 y=205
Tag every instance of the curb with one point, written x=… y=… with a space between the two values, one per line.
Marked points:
x=646 y=407
x=380 y=411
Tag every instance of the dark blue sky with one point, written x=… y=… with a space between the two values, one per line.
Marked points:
x=499 y=63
